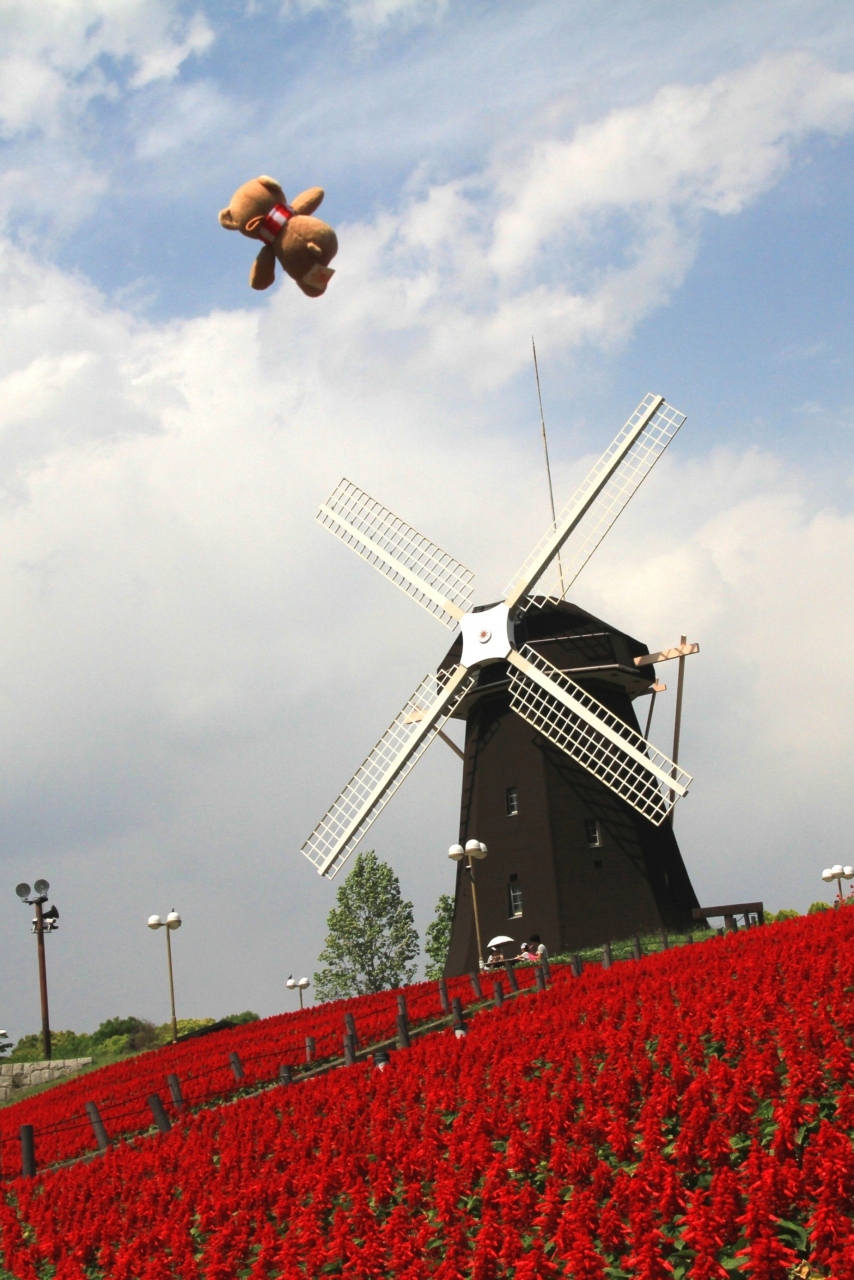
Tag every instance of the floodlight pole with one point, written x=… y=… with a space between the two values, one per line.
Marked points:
x=43 y=978
x=171 y=985
x=473 y=849
x=476 y=916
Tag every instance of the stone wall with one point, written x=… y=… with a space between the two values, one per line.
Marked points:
x=21 y=1075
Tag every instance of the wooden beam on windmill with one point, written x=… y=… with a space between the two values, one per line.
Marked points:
x=681 y=651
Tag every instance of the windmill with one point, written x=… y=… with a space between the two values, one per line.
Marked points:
x=498 y=654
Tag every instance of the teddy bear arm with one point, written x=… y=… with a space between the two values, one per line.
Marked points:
x=263 y=271
x=307 y=201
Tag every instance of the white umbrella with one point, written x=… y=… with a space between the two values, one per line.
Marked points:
x=500 y=941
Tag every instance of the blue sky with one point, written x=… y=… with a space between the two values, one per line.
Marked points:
x=189 y=668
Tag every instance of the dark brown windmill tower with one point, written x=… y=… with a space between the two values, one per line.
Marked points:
x=571 y=800
x=568 y=859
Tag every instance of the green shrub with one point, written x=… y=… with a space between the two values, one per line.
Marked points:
x=819 y=906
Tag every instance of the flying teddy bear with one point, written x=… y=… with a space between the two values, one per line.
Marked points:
x=303 y=245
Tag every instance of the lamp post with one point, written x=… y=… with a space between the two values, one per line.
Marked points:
x=837 y=873
x=44 y=922
x=172 y=921
x=292 y=985
x=474 y=849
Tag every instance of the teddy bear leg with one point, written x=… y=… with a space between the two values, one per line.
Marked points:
x=263 y=271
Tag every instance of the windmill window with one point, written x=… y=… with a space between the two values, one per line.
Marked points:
x=514 y=898
x=594 y=835
x=511 y=798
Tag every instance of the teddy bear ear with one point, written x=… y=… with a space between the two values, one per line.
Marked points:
x=307 y=201
x=271 y=184
x=226 y=219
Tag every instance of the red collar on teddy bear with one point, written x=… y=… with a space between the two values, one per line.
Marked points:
x=274 y=221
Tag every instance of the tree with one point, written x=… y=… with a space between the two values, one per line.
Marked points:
x=372 y=939
x=438 y=937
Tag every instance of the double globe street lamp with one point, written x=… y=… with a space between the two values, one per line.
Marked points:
x=293 y=985
x=43 y=922
x=474 y=849
x=837 y=873
x=172 y=921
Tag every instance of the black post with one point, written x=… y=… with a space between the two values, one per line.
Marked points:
x=689 y=937
x=443 y=995
x=285 y=1074
x=158 y=1110
x=28 y=1151
x=511 y=977
x=43 y=980
x=350 y=1024
x=540 y=977
x=665 y=945
x=349 y=1050
x=475 y=985
x=175 y=1089
x=607 y=959
x=309 y=1048
x=403 y=1031
x=459 y=1016
x=401 y=1004
x=236 y=1065
x=498 y=992
x=637 y=949
x=97 y=1125
x=577 y=965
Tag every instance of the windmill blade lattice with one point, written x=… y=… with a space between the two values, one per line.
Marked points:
x=593 y=736
x=412 y=562
x=599 y=500
x=375 y=782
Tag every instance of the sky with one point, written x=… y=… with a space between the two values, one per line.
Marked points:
x=190 y=667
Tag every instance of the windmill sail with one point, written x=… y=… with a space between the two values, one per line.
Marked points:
x=601 y=498
x=593 y=736
x=424 y=571
x=375 y=782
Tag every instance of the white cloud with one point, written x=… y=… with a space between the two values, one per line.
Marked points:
x=57 y=57
x=581 y=238
x=374 y=15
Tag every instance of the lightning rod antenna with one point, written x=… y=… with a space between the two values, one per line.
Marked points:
x=548 y=465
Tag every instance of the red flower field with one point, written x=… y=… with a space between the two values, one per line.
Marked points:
x=688 y=1114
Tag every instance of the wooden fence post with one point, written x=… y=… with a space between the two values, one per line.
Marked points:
x=236 y=1065
x=511 y=978
x=158 y=1110
x=475 y=985
x=443 y=995
x=28 y=1151
x=498 y=993
x=607 y=958
x=285 y=1073
x=403 y=1031
x=175 y=1089
x=97 y=1125
x=540 y=978
x=350 y=1024
x=309 y=1048
x=637 y=949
